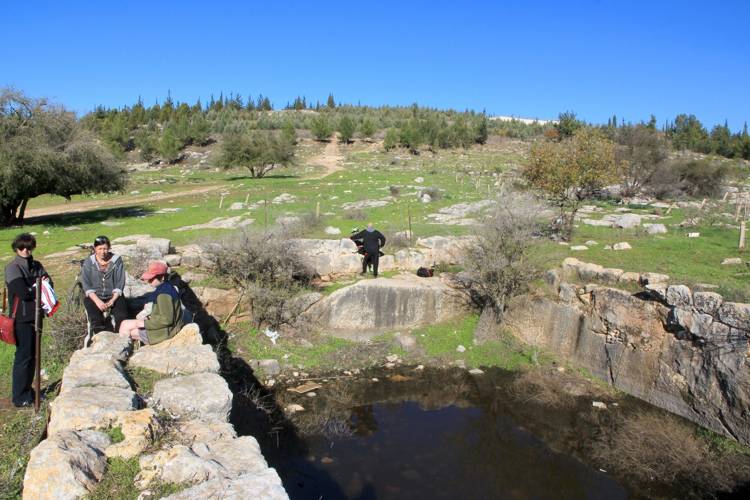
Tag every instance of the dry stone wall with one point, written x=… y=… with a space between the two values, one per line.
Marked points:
x=204 y=452
x=683 y=350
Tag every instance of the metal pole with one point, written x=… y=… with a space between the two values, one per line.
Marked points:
x=38 y=342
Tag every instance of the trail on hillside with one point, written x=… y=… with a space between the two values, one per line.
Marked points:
x=84 y=206
x=330 y=159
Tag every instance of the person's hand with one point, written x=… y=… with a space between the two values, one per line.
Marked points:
x=110 y=302
x=100 y=304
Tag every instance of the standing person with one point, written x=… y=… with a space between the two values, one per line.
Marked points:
x=373 y=240
x=165 y=319
x=20 y=278
x=103 y=279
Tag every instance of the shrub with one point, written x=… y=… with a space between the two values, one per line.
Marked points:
x=434 y=192
x=677 y=178
x=268 y=267
x=498 y=262
x=346 y=129
x=258 y=151
x=65 y=332
x=367 y=129
x=394 y=190
x=321 y=128
x=391 y=139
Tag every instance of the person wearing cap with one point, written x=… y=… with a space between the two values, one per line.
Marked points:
x=165 y=319
x=103 y=279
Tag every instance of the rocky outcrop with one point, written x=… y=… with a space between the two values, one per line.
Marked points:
x=684 y=351
x=372 y=306
x=329 y=257
x=205 y=455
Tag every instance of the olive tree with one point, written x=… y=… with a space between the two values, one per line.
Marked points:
x=571 y=170
x=44 y=150
x=259 y=151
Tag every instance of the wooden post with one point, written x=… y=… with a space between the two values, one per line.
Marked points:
x=737 y=212
x=37 y=343
x=247 y=198
x=221 y=201
x=317 y=210
x=743 y=231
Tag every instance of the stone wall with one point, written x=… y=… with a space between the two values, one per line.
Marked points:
x=682 y=350
x=202 y=451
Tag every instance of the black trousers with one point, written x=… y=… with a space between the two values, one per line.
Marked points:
x=119 y=311
x=371 y=258
x=23 y=364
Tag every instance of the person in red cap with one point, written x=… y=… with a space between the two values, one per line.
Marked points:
x=165 y=319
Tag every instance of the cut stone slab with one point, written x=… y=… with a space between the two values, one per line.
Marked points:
x=90 y=408
x=178 y=465
x=176 y=360
x=66 y=466
x=93 y=370
x=266 y=485
x=204 y=396
x=109 y=343
x=191 y=431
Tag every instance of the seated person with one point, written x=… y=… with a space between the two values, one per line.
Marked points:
x=103 y=279
x=165 y=319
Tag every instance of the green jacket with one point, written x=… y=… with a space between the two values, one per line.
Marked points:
x=166 y=316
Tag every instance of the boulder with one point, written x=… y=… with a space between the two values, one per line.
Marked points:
x=627 y=221
x=735 y=315
x=192 y=255
x=371 y=306
x=173 y=259
x=93 y=370
x=652 y=278
x=108 y=343
x=154 y=246
x=204 y=396
x=217 y=302
x=332 y=230
x=265 y=484
x=65 y=466
x=679 y=296
x=656 y=229
x=178 y=465
x=176 y=360
x=707 y=302
x=191 y=431
x=89 y=408
x=610 y=275
x=623 y=245
x=406 y=341
x=628 y=277
x=732 y=261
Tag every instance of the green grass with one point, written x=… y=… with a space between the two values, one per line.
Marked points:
x=251 y=344
x=144 y=379
x=20 y=431
x=116 y=435
x=118 y=482
x=441 y=340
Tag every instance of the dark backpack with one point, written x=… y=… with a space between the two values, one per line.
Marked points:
x=424 y=272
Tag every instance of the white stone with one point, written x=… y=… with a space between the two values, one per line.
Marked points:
x=694 y=235
x=656 y=229
x=89 y=408
x=627 y=221
x=579 y=248
x=623 y=245
x=332 y=230
x=204 y=396
x=731 y=261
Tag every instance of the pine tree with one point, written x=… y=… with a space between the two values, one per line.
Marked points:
x=330 y=103
x=346 y=129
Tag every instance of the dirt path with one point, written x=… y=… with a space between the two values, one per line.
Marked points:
x=330 y=158
x=85 y=206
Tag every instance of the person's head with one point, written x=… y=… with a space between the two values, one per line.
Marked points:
x=370 y=226
x=24 y=244
x=101 y=246
x=156 y=273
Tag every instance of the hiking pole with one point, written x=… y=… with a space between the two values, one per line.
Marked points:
x=38 y=343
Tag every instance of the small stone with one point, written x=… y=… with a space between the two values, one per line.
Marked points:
x=591 y=243
x=293 y=408
x=460 y=363
x=579 y=248
x=419 y=368
x=391 y=358
x=476 y=371
x=731 y=261
x=623 y=245
x=694 y=235
x=599 y=405
x=656 y=229
x=561 y=369
x=419 y=180
x=311 y=394
x=332 y=230
x=389 y=365
x=460 y=348
x=374 y=379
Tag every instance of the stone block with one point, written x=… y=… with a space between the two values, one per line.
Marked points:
x=204 y=396
x=679 y=296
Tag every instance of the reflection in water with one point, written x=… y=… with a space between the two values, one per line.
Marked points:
x=404 y=445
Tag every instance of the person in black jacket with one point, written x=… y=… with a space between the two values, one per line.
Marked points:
x=372 y=241
x=20 y=277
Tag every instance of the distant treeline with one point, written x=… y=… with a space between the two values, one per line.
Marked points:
x=164 y=130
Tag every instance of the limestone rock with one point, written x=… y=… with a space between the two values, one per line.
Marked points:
x=218 y=302
x=708 y=302
x=628 y=277
x=269 y=367
x=627 y=221
x=623 y=245
x=205 y=396
x=93 y=370
x=139 y=428
x=265 y=484
x=190 y=335
x=651 y=278
x=735 y=315
x=731 y=261
x=65 y=466
x=108 y=343
x=89 y=408
x=372 y=306
x=406 y=341
x=679 y=296
x=176 y=359
x=284 y=198
x=332 y=230
x=178 y=465
x=610 y=275
x=579 y=248
x=173 y=259
x=656 y=229
x=191 y=431
x=568 y=292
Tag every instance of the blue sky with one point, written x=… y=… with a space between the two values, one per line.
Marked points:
x=530 y=59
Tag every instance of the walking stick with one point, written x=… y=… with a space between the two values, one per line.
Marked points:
x=38 y=342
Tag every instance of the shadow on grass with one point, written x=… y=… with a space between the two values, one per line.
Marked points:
x=90 y=216
x=273 y=176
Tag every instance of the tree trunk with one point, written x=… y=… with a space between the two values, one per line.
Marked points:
x=22 y=211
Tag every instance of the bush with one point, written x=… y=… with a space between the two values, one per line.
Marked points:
x=434 y=193
x=498 y=262
x=346 y=129
x=66 y=333
x=258 y=151
x=391 y=139
x=678 y=178
x=367 y=129
x=268 y=268
x=321 y=128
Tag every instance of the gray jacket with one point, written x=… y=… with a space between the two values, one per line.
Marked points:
x=103 y=283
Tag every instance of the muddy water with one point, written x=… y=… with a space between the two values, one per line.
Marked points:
x=446 y=434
